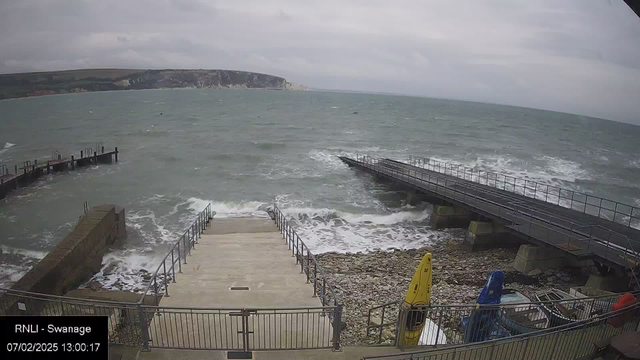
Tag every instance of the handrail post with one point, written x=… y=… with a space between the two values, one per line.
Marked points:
x=315 y=278
x=297 y=248
x=164 y=269
x=308 y=264
x=143 y=329
x=155 y=290
x=173 y=266
x=324 y=289
x=337 y=327
x=439 y=327
x=179 y=259
x=184 y=248
x=301 y=255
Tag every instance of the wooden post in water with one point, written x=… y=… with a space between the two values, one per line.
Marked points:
x=48 y=167
x=116 y=154
x=16 y=172
x=73 y=163
x=95 y=157
x=103 y=150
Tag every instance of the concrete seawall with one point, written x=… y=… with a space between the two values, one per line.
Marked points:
x=79 y=255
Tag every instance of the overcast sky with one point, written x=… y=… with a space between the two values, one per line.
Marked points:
x=578 y=56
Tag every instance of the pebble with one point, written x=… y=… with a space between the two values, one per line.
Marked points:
x=365 y=280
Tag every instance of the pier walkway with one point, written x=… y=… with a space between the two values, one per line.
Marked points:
x=31 y=171
x=600 y=229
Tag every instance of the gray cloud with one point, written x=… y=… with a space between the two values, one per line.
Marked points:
x=575 y=55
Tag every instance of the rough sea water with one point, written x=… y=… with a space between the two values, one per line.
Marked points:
x=243 y=150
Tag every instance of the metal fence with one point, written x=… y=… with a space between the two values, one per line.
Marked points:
x=308 y=264
x=558 y=231
x=460 y=324
x=615 y=211
x=566 y=342
x=166 y=271
x=124 y=318
x=146 y=326
x=242 y=329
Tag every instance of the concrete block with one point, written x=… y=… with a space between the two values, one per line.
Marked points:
x=413 y=199
x=609 y=283
x=78 y=256
x=531 y=257
x=483 y=235
x=450 y=217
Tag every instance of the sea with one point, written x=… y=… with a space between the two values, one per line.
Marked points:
x=244 y=150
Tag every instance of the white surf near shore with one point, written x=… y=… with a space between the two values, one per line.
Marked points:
x=7 y=146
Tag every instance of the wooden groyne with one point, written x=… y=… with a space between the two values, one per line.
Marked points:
x=31 y=171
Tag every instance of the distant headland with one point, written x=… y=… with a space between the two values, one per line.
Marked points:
x=85 y=80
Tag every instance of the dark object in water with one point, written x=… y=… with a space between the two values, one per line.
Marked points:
x=355 y=112
x=482 y=322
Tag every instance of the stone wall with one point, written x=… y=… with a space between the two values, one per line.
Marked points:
x=79 y=255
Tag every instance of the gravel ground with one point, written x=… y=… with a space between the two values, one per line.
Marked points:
x=364 y=280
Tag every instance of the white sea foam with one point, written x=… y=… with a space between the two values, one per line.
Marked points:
x=230 y=209
x=327 y=159
x=7 y=146
x=34 y=254
x=564 y=169
x=16 y=262
x=552 y=171
x=325 y=230
x=125 y=269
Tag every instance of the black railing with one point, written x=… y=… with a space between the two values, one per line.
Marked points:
x=612 y=210
x=166 y=273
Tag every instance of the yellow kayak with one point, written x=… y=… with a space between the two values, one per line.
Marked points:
x=419 y=293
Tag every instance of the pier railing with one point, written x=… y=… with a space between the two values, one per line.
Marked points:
x=166 y=271
x=459 y=324
x=552 y=229
x=568 y=342
x=612 y=210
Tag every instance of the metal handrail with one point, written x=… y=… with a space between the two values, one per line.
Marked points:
x=579 y=325
x=178 y=253
x=326 y=291
x=393 y=308
x=451 y=186
x=437 y=166
x=297 y=247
